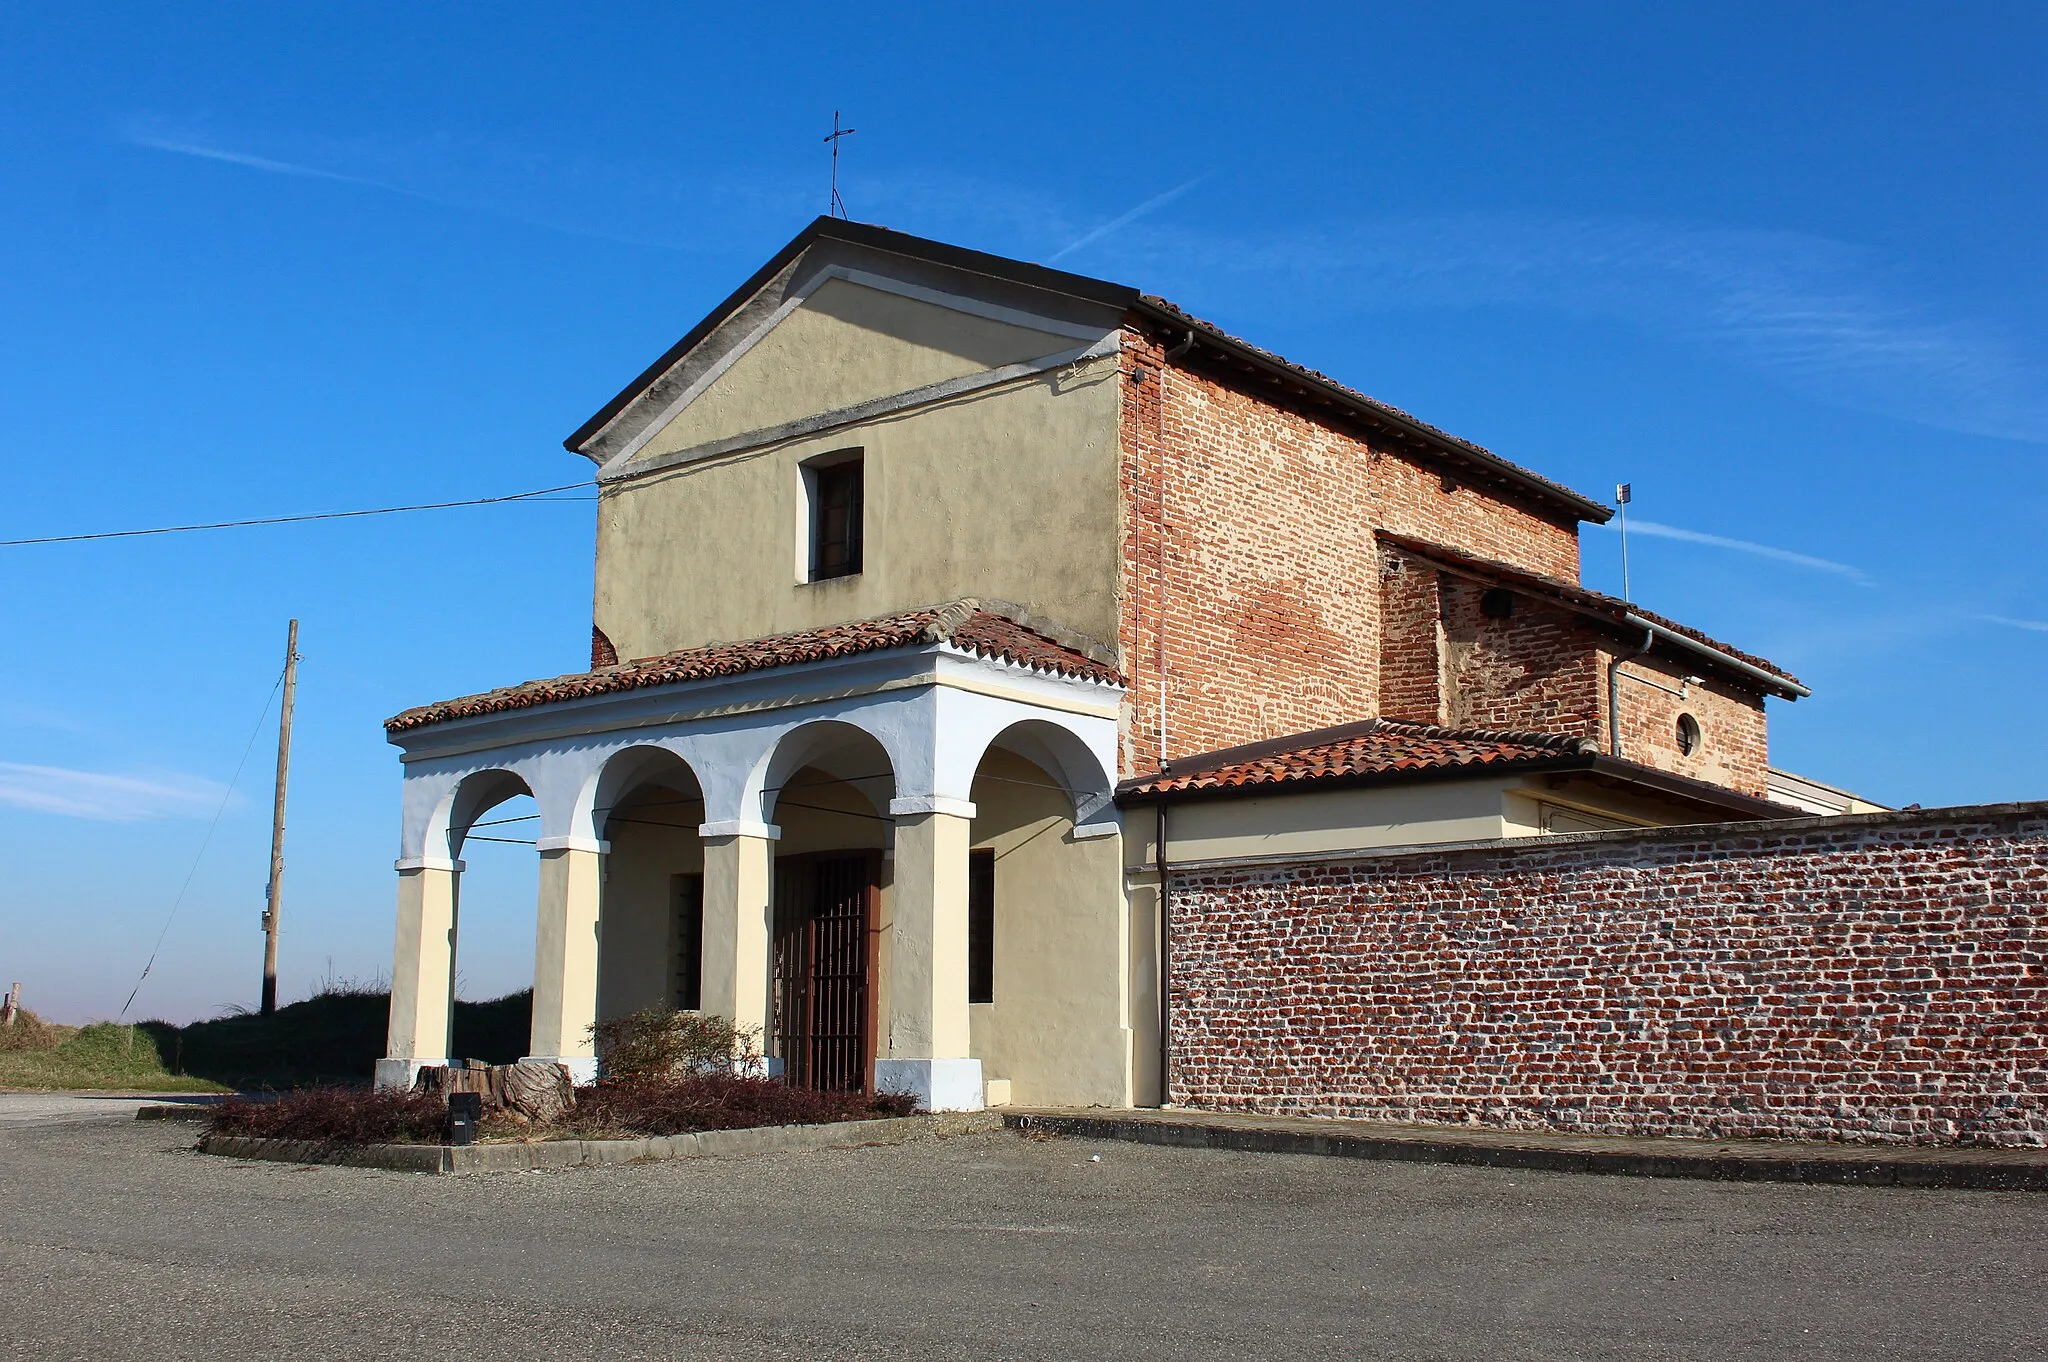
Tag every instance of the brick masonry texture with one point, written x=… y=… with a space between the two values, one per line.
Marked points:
x=1443 y=660
x=1878 y=978
x=1250 y=567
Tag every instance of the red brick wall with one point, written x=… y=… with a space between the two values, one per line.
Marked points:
x=1411 y=641
x=1879 y=978
x=1537 y=669
x=1265 y=571
x=1735 y=748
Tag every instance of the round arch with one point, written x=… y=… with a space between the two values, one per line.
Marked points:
x=625 y=772
x=844 y=751
x=1063 y=755
x=475 y=795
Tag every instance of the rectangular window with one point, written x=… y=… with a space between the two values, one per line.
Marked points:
x=689 y=990
x=981 y=926
x=836 y=497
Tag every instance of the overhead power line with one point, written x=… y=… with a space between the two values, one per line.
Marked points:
x=293 y=519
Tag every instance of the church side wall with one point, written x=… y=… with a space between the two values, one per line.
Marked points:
x=1249 y=530
x=1879 y=977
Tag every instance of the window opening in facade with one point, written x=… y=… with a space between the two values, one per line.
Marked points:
x=836 y=513
x=981 y=926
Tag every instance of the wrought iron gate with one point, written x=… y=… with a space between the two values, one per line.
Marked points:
x=824 y=1003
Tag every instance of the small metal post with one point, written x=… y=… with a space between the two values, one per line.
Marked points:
x=465 y=1109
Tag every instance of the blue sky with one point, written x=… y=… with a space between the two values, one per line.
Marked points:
x=1779 y=267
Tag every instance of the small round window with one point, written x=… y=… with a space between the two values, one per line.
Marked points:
x=1688 y=735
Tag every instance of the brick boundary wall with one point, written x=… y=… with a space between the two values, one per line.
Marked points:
x=1877 y=977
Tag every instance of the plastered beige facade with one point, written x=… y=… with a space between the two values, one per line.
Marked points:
x=1314 y=820
x=1009 y=492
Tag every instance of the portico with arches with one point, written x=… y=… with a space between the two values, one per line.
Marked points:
x=876 y=848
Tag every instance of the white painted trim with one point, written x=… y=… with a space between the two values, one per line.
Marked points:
x=937 y=1084
x=405 y=863
x=956 y=302
x=582 y=1068
x=1094 y=710
x=400 y=1074
x=910 y=806
x=1084 y=831
x=798 y=684
x=740 y=827
x=623 y=468
x=952 y=301
x=547 y=844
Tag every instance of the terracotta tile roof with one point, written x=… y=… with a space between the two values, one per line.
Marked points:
x=1376 y=747
x=1609 y=608
x=1584 y=506
x=984 y=628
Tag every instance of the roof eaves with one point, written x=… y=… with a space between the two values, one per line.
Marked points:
x=1612 y=611
x=1131 y=792
x=1119 y=296
x=1526 y=481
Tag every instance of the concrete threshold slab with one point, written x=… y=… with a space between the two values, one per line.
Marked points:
x=1656 y=1157
x=526 y=1156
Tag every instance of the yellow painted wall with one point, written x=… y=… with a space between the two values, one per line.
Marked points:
x=847 y=344
x=1310 y=821
x=1010 y=493
x=637 y=930
x=1327 y=820
x=1058 y=1027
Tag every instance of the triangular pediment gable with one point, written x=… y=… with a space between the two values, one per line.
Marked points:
x=838 y=333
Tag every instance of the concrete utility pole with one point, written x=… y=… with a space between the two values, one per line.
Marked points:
x=284 y=759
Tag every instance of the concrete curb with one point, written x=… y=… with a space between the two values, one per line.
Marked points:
x=525 y=1157
x=1667 y=1157
x=176 y=1111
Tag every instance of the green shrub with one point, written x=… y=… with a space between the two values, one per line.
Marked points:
x=661 y=1042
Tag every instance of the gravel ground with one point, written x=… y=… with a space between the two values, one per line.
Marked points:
x=117 y=1241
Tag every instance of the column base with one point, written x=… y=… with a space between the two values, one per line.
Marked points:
x=937 y=1084
x=401 y=1073
x=582 y=1068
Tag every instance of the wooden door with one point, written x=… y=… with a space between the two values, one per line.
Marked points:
x=824 y=947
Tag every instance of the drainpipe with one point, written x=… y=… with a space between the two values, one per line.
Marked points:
x=1614 y=687
x=1165 y=964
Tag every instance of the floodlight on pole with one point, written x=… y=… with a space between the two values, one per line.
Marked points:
x=1623 y=495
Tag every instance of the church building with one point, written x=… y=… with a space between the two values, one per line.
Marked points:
x=945 y=604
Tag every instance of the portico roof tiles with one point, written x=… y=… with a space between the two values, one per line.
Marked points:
x=971 y=625
x=1375 y=747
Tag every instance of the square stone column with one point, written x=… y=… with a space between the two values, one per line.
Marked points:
x=422 y=971
x=565 y=954
x=926 y=1049
x=739 y=917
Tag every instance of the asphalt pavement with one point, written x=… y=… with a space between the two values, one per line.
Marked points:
x=117 y=1241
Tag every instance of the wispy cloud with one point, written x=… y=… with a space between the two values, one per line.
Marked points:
x=1805 y=560
x=2038 y=626
x=106 y=797
x=1118 y=223
x=445 y=193
x=1821 y=315
x=239 y=158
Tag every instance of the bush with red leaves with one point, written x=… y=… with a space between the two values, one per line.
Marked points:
x=338 y=1116
x=716 y=1101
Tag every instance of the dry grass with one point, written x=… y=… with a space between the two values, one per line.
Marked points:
x=40 y=1056
x=611 y=1110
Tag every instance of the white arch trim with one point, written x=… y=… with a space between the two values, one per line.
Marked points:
x=934 y=712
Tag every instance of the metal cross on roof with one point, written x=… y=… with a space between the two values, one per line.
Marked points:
x=837 y=205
